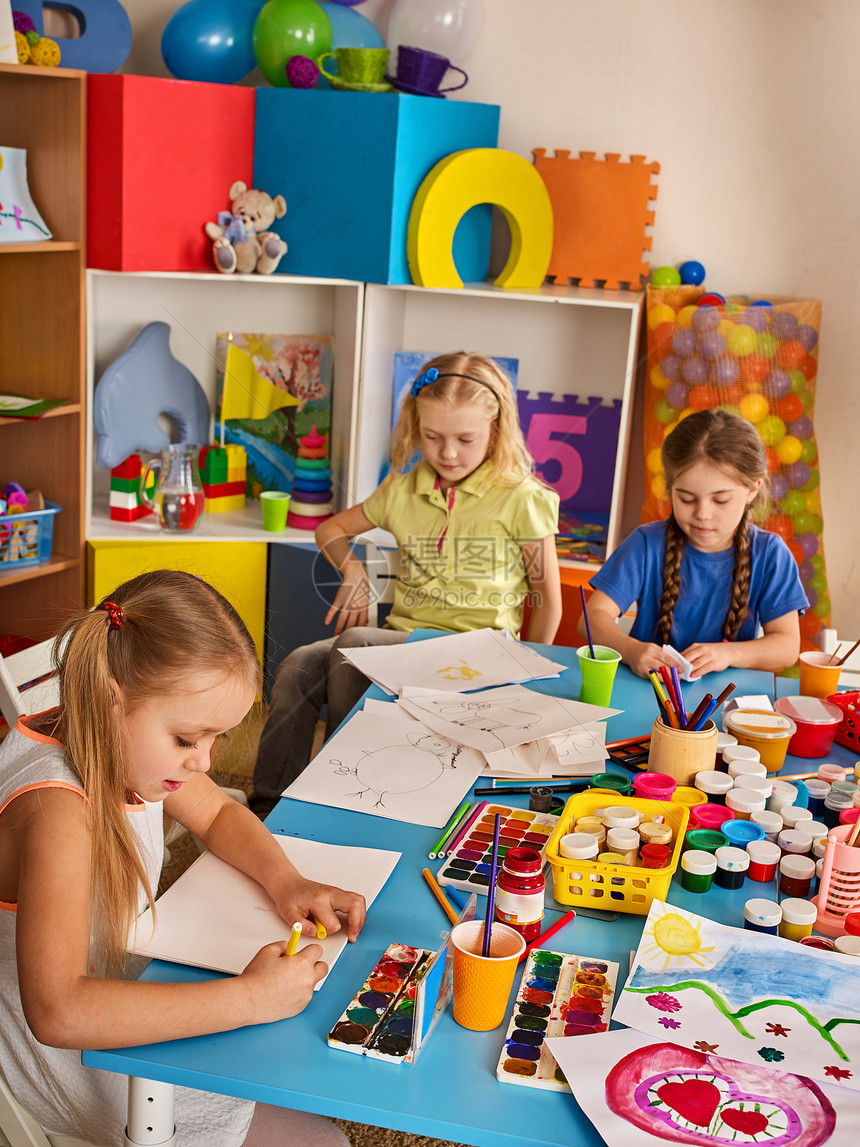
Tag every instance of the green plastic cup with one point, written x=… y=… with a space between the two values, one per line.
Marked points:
x=598 y=673
x=275 y=504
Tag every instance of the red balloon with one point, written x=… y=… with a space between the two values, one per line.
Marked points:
x=790 y=354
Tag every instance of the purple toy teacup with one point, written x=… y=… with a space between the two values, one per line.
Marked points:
x=421 y=72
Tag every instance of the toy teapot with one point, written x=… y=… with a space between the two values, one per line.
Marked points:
x=178 y=501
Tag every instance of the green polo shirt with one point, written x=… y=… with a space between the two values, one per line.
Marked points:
x=462 y=564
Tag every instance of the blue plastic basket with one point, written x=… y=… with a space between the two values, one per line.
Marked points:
x=26 y=538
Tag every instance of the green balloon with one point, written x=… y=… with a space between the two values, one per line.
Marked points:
x=822 y=608
x=808 y=451
x=286 y=28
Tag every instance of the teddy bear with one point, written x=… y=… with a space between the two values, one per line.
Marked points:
x=242 y=239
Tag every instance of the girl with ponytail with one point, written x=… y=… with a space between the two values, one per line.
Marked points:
x=707 y=581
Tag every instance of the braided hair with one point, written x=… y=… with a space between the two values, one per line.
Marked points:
x=730 y=443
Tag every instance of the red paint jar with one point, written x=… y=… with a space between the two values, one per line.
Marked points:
x=520 y=890
x=795 y=875
x=764 y=856
x=655 y=855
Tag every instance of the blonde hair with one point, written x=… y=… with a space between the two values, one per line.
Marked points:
x=492 y=393
x=174 y=626
x=732 y=444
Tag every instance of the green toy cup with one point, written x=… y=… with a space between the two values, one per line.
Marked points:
x=598 y=673
x=275 y=504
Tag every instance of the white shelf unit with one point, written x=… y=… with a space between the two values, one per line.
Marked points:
x=568 y=340
x=197 y=308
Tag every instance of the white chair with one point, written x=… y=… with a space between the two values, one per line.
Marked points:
x=21 y=668
x=18 y=1128
x=383 y=565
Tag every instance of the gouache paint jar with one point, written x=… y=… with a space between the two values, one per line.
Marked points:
x=615 y=782
x=714 y=785
x=741 y=832
x=705 y=840
x=655 y=832
x=783 y=794
x=847 y=945
x=795 y=875
x=762 y=916
x=624 y=841
x=620 y=816
x=765 y=731
x=798 y=918
x=744 y=802
x=821 y=943
x=792 y=816
x=732 y=865
x=711 y=816
x=741 y=768
x=817 y=790
x=761 y=785
x=764 y=857
x=771 y=822
x=723 y=742
x=830 y=772
x=740 y=753
x=654 y=786
x=520 y=888
x=655 y=855
x=697 y=870
x=794 y=840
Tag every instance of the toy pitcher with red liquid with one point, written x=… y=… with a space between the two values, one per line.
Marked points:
x=178 y=501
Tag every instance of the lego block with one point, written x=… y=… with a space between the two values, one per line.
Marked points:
x=118 y=514
x=601 y=210
x=221 y=505
x=132 y=467
x=145 y=139
x=354 y=208
x=212 y=461
x=224 y=489
x=126 y=485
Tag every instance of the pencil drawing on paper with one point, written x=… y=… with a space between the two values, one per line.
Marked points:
x=401 y=769
x=467 y=712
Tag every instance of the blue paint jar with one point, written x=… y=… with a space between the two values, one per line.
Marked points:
x=762 y=916
x=817 y=790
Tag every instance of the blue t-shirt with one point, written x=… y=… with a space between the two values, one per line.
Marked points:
x=634 y=572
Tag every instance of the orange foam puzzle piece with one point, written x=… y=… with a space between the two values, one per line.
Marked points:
x=601 y=211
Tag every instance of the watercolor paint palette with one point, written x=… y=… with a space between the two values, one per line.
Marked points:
x=397 y=1006
x=468 y=865
x=559 y=995
x=632 y=753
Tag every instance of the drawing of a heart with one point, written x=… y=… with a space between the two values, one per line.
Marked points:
x=747 y=1122
x=695 y=1100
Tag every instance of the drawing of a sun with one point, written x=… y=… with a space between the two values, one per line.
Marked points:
x=675 y=938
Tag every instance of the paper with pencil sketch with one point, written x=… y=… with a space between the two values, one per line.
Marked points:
x=455 y=663
x=216 y=917
x=389 y=764
x=498 y=718
x=578 y=752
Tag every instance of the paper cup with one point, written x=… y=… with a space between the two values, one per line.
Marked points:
x=817 y=678
x=482 y=985
x=275 y=504
x=598 y=673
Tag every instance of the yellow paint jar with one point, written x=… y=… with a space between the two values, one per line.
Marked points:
x=763 y=730
x=798 y=918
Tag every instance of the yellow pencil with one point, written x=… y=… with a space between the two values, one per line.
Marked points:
x=293 y=941
x=439 y=894
x=321 y=932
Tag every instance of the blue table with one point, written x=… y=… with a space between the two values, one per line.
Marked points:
x=451 y=1092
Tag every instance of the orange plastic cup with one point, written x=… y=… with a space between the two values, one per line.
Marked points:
x=817 y=678
x=482 y=984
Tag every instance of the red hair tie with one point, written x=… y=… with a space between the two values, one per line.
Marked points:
x=114 y=612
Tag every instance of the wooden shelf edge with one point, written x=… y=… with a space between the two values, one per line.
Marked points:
x=57 y=412
x=50 y=246
x=56 y=564
x=30 y=70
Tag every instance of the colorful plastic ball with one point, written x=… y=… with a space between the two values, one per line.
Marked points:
x=808 y=543
x=753 y=407
x=705 y=319
x=808 y=400
x=811 y=596
x=771 y=430
x=703 y=397
x=796 y=552
x=806 y=571
x=807 y=336
x=814 y=480
x=692 y=273
x=742 y=340
x=822 y=608
x=211 y=40
x=762 y=303
x=730 y=408
x=711 y=299
x=817 y=524
x=777 y=383
x=732 y=393
x=654 y=460
x=780 y=524
x=694 y=370
x=803 y=522
x=771 y=459
x=302 y=72
x=754 y=369
x=676 y=395
x=788 y=449
x=809 y=367
x=777 y=489
x=818 y=582
x=813 y=501
x=790 y=354
x=684 y=316
x=660 y=342
x=796 y=473
x=783 y=324
x=798 y=381
x=725 y=372
x=658 y=379
x=817 y=563
x=766 y=343
x=809 y=625
x=662 y=313
x=711 y=344
x=665 y=277
x=683 y=341
x=793 y=503
x=664 y=412
x=658 y=486
x=286 y=28
x=755 y=318
x=671 y=368
x=801 y=428
x=788 y=408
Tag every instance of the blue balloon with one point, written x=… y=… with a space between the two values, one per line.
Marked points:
x=348 y=30
x=211 y=40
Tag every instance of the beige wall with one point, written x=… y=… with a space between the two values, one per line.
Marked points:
x=751 y=108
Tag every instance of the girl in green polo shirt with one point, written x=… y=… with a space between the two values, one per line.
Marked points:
x=476 y=534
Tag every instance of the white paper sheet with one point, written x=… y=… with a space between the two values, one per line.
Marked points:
x=685 y=668
x=216 y=917
x=457 y=662
x=389 y=764
x=498 y=718
x=639 y=1091
x=758 y=998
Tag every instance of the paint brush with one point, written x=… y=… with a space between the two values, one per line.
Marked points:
x=587 y=626
x=467 y=824
x=556 y=927
x=855 y=832
x=491 y=890
x=679 y=696
x=293 y=942
x=448 y=830
x=703 y=720
x=700 y=708
x=439 y=894
x=845 y=656
x=832 y=656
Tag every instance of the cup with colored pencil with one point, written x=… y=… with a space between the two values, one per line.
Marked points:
x=597 y=666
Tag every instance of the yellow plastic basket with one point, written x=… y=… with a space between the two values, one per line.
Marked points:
x=615 y=887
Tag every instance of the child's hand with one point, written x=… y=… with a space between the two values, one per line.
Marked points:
x=281 y=986
x=308 y=902
x=709 y=657
x=352 y=598
x=646 y=657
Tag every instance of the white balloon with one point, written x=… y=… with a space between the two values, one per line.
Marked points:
x=448 y=27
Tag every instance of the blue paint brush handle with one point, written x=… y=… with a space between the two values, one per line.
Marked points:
x=491 y=891
x=700 y=724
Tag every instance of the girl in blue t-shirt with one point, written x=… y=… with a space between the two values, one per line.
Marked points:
x=707 y=578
